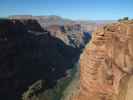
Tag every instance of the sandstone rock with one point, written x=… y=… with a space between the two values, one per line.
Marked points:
x=106 y=65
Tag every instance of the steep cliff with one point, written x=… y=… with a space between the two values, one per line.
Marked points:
x=106 y=65
x=73 y=33
x=29 y=53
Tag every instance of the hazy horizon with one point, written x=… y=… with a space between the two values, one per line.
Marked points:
x=70 y=9
x=61 y=17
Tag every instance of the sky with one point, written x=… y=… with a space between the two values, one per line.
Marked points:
x=72 y=9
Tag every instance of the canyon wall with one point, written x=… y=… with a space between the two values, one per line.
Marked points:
x=106 y=65
x=29 y=53
x=73 y=33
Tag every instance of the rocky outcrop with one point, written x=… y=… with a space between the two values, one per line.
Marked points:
x=106 y=65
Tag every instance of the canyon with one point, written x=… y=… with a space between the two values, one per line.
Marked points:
x=30 y=52
x=40 y=53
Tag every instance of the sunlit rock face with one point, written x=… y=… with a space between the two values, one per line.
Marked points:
x=71 y=34
x=106 y=65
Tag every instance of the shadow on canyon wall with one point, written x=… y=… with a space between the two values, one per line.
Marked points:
x=29 y=53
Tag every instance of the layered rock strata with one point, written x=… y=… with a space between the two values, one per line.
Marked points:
x=106 y=65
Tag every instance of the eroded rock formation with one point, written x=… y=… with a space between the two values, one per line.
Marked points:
x=106 y=65
x=73 y=33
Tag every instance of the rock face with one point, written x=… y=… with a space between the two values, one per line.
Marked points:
x=73 y=33
x=29 y=53
x=106 y=65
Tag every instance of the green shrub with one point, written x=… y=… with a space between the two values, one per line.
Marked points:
x=123 y=19
x=38 y=91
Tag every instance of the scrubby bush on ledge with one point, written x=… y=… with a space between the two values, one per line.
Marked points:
x=123 y=19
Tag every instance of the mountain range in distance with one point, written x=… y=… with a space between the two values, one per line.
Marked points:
x=60 y=20
x=46 y=21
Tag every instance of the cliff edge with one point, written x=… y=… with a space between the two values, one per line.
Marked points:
x=106 y=65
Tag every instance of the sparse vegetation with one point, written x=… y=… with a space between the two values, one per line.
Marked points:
x=123 y=19
x=50 y=94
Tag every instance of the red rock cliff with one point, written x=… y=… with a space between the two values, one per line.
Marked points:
x=106 y=65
